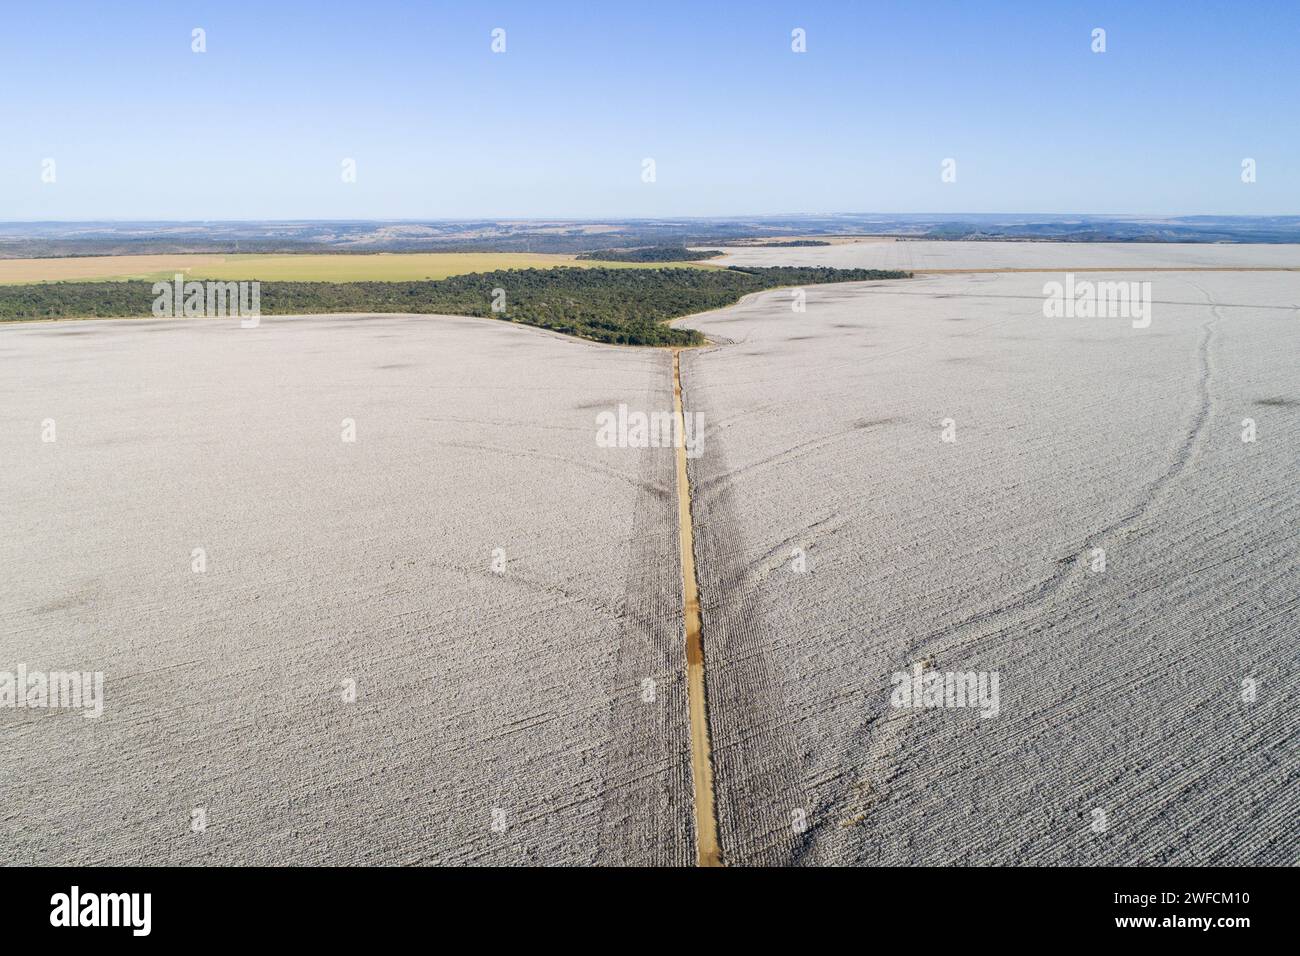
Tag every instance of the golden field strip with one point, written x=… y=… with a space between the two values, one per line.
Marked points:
x=296 y=267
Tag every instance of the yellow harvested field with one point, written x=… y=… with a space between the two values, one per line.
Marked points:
x=329 y=267
x=83 y=268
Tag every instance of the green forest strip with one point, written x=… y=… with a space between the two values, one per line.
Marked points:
x=617 y=306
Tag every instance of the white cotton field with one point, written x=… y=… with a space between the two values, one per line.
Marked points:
x=1147 y=711
x=368 y=589
x=326 y=562
x=883 y=253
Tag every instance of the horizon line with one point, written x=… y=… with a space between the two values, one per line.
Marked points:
x=690 y=218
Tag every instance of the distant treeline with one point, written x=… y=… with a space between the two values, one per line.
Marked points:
x=648 y=254
x=621 y=306
x=787 y=244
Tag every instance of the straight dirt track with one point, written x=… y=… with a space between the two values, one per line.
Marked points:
x=709 y=853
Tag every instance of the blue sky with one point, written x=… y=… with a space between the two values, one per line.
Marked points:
x=140 y=127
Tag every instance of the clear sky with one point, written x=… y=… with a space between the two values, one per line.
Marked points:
x=141 y=127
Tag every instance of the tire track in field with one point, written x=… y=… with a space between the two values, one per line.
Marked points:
x=1183 y=452
x=647 y=815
